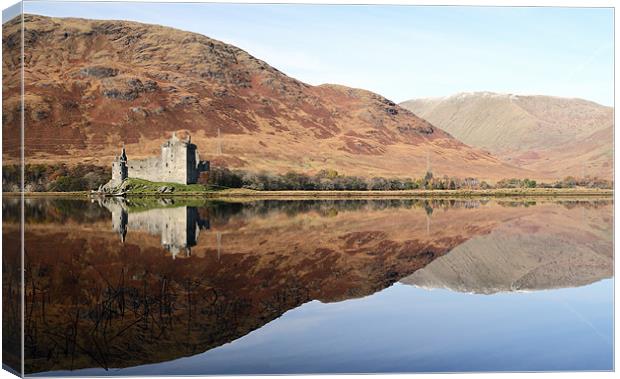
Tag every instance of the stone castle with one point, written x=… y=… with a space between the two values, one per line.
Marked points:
x=178 y=163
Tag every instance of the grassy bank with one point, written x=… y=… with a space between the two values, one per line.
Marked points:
x=145 y=187
x=139 y=190
x=526 y=192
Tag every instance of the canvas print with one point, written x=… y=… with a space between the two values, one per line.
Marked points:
x=218 y=188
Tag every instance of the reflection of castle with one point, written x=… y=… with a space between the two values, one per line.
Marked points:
x=178 y=163
x=178 y=227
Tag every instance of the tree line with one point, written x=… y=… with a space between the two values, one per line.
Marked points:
x=55 y=177
x=86 y=177
x=331 y=180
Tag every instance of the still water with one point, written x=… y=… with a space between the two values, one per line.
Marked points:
x=183 y=286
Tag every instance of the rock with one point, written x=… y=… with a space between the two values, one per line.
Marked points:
x=188 y=99
x=128 y=90
x=70 y=104
x=165 y=189
x=150 y=86
x=217 y=75
x=40 y=115
x=405 y=129
x=139 y=111
x=118 y=94
x=99 y=71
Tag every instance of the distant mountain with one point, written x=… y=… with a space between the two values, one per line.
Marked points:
x=552 y=136
x=93 y=85
x=547 y=247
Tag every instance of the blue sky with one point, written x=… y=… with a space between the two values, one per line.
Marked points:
x=401 y=52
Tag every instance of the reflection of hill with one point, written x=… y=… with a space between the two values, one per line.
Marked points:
x=94 y=301
x=549 y=248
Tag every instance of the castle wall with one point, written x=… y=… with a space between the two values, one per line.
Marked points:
x=174 y=163
x=177 y=164
x=196 y=169
x=148 y=169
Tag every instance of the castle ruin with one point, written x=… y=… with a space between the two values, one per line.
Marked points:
x=178 y=162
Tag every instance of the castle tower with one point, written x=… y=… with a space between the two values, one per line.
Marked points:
x=123 y=156
x=119 y=168
x=180 y=162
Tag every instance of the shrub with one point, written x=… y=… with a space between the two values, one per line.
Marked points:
x=56 y=177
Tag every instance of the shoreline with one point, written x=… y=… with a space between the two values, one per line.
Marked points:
x=301 y=194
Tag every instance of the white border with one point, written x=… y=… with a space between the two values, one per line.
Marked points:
x=537 y=3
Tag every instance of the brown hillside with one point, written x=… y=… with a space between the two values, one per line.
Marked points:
x=92 y=85
x=552 y=136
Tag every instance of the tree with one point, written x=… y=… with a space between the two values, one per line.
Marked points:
x=379 y=184
x=428 y=180
x=569 y=182
x=223 y=177
x=327 y=173
x=69 y=184
x=428 y=177
x=409 y=184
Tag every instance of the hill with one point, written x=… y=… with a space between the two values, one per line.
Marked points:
x=552 y=136
x=93 y=85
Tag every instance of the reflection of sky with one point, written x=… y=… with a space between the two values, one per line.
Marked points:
x=405 y=328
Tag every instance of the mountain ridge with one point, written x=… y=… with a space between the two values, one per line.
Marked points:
x=551 y=135
x=94 y=85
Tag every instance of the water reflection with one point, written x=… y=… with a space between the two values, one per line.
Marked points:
x=178 y=226
x=103 y=292
x=536 y=251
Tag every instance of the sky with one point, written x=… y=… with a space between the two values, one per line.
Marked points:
x=400 y=52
